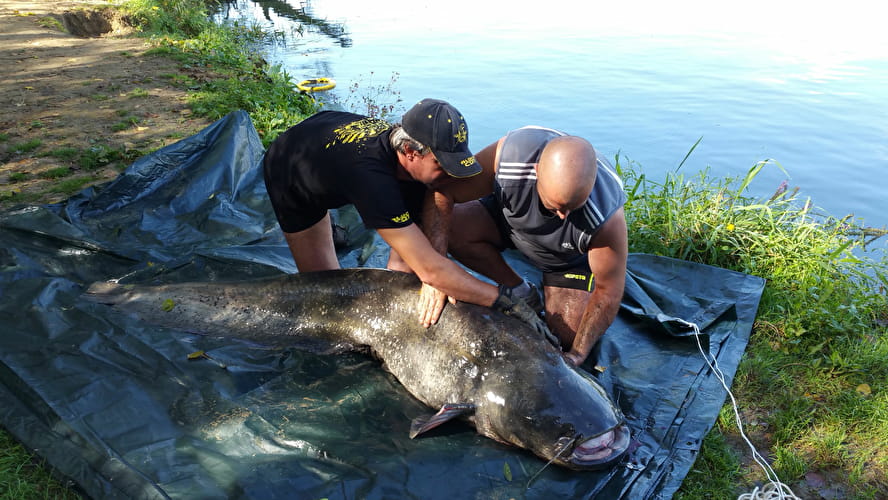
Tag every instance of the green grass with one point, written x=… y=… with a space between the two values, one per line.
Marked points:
x=51 y=23
x=99 y=155
x=90 y=158
x=814 y=374
x=708 y=473
x=72 y=186
x=26 y=147
x=22 y=477
x=138 y=93
x=64 y=154
x=125 y=124
x=56 y=173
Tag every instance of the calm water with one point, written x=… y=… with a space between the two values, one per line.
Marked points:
x=801 y=84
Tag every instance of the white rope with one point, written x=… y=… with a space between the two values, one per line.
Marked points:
x=771 y=491
x=774 y=490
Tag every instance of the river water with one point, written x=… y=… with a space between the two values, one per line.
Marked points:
x=802 y=84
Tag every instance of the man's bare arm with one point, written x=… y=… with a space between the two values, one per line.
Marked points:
x=607 y=258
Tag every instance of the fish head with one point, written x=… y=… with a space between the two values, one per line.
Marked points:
x=562 y=415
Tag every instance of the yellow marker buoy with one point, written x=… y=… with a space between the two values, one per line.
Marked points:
x=316 y=84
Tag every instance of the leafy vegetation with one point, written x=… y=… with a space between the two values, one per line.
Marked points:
x=182 y=29
x=812 y=385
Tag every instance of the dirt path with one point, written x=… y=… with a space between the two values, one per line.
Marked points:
x=90 y=105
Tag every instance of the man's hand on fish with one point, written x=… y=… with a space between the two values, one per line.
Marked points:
x=514 y=306
x=431 y=304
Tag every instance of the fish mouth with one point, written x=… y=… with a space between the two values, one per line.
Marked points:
x=602 y=450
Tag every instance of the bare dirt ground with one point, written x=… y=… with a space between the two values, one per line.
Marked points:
x=63 y=92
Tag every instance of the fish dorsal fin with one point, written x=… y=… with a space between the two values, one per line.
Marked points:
x=447 y=412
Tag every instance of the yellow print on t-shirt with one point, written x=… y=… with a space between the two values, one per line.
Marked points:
x=358 y=130
x=401 y=218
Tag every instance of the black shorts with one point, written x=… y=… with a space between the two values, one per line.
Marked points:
x=575 y=275
x=492 y=207
x=294 y=212
x=578 y=278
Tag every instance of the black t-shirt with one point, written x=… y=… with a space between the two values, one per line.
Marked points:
x=335 y=158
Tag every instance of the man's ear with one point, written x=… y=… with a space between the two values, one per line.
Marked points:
x=408 y=149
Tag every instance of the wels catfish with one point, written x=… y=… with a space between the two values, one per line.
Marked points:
x=475 y=363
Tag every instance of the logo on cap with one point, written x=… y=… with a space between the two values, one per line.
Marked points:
x=462 y=135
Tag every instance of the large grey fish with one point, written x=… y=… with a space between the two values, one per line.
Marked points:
x=475 y=363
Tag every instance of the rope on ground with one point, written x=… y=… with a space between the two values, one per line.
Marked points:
x=774 y=490
x=771 y=491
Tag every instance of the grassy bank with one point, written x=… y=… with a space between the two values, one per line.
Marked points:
x=812 y=385
x=181 y=29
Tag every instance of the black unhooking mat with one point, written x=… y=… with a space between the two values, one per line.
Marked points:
x=118 y=407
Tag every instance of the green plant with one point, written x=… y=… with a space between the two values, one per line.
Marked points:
x=71 y=186
x=812 y=261
x=714 y=472
x=100 y=155
x=814 y=370
x=56 y=173
x=51 y=23
x=273 y=103
x=245 y=81
x=188 y=17
x=124 y=124
x=66 y=154
x=18 y=177
x=27 y=146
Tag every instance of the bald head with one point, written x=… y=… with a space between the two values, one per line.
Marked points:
x=566 y=174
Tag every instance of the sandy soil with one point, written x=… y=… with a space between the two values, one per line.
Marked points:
x=74 y=92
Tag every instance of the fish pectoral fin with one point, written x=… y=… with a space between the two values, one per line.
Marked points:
x=447 y=412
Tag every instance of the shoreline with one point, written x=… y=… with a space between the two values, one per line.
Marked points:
x=79 y=110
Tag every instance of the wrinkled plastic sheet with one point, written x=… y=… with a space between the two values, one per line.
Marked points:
x=118 y=407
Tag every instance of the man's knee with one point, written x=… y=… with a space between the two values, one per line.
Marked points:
x=471 y=225
x=564 y=312
x=312 y=248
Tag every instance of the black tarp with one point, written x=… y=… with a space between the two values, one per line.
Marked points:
x=117 y=406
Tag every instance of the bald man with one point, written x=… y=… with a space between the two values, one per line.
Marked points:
x=559 y=203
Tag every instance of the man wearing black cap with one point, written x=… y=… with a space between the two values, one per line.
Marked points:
x=396 y=176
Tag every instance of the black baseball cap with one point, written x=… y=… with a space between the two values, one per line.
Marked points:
x=442 y=128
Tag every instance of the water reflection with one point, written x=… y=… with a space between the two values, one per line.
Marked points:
x=302 y=15
x=758 y=83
